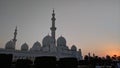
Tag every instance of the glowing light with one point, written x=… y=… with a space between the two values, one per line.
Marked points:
x=112 y=50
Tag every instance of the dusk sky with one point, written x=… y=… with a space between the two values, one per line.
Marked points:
x=91 y=25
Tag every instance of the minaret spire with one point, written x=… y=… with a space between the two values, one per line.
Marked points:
x=53 y=28
x=15 y=34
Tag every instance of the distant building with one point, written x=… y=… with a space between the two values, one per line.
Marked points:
x=50 y=47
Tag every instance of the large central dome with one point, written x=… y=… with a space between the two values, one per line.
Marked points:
x=61 y=41
x=47 y=40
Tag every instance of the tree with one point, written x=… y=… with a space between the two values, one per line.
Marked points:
x=118 y=58
x=86 y=57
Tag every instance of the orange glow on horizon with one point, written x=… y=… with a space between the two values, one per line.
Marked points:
x=112 y=50
x=106 y=48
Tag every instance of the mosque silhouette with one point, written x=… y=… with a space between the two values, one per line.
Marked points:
x=50 y=47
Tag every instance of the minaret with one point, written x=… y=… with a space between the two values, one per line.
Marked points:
x=53 y=28
x=15 y=34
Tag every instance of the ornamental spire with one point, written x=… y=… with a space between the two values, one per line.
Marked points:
x=15 y=34
x=53 y=18
x=53 y=28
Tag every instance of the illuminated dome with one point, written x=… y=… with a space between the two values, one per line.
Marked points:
x=9 y=45
x=61 y=41
x=36 y=46
x=74 y=48
x=24 y=47
x=47 y=40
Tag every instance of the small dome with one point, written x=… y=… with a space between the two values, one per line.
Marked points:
x=36 y=46
x=74 y=48
x=47 y=40
x=24 y=47
x=61 y=41
x=9 y=45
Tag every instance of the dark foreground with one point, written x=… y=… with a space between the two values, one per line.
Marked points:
x=51 y=62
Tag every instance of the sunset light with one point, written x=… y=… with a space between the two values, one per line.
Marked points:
x=91 y=25
x=58 y=33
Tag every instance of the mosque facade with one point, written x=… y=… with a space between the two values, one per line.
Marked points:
x=49 y=47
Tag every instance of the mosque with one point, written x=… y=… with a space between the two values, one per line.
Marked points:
x=50 y=47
